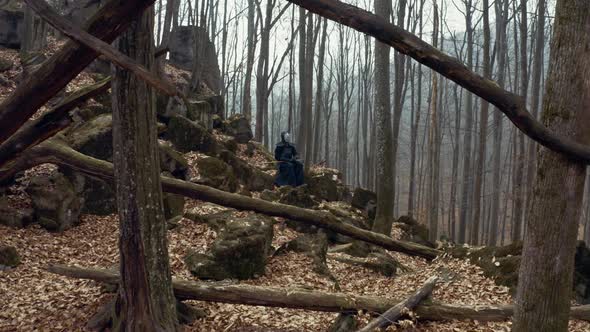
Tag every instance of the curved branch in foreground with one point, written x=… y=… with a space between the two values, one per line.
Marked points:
x=512 y=105
x=54 y=152
x=67 y=28
x=57 y=71
x=50 y=123
x=310 y=300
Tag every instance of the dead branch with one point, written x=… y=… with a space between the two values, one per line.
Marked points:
x=310 y=300
x=397 y=311
x=55 y=73
x=60 y=154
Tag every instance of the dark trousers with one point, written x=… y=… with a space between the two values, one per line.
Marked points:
x=290 y=173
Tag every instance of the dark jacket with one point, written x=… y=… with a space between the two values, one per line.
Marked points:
x=285 y=151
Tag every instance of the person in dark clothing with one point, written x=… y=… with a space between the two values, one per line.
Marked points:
x=290 y=169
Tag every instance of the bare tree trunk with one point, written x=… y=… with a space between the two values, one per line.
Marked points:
x=384 y=147
x=519 y=175
x=252 y=40
x=501 y=15
x=466 y=183
x=483 y=131
x=535 y=93
x=433 y=152
x=546 y=271
x=319 y=93
x=146 y=301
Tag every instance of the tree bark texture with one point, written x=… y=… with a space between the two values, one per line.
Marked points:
x=384 y=152
x=545 y=277
x=145 y=301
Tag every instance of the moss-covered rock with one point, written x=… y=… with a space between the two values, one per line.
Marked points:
x=187 y=135
x=238 y=127
x=251 y=177
x=414 y=231
x=199 y=110
x=297 y=196
x=173 y=205
x=56 y=203
x=5 y=65
x=9 y=256
x=94 y=137
x=361 y=198
x=12 y=217
x=314 y=246
x=173 y=162
x=215 y=173
x=240 y=250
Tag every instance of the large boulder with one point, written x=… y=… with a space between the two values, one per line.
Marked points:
x=238 y=127
x=94 y=138
x=414 y=231
x=251 y=177
x=8 y=257
x=80 y=11
x=182 y=54
x=11 y=25
x=297 y=196
x=5 y=65
x=214 y=172
x=187 y=135
x=325 y=184
x=13 y=217
x=56 y=203
x=240 y=251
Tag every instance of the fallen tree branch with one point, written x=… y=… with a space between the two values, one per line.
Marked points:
x=310 y=300
x=54 y=19
x=60 y=154
x=512 y=105
x=50 y=123
x=397 y=311
x=55 y=73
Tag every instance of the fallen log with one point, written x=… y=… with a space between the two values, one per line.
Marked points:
x=55 y=73
x=50 y=123
x=60 y=154
x=397 y=311
x=310 y=300
x=54 y=19
x=512 y=105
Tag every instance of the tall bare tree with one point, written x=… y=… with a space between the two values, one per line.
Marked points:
x=384 y=150
x=546 y=271
x=145 y=301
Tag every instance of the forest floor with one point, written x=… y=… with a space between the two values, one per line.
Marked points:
x=32 y=299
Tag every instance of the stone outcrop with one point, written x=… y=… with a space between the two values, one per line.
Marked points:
x=11 y=25
x=9 y=257
x=187 y=135
x=414 y=231
x=56 y=203
x=215 y=173
x=183 y=52
x=240 y=251
x=13 y=217
x=238 y=127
